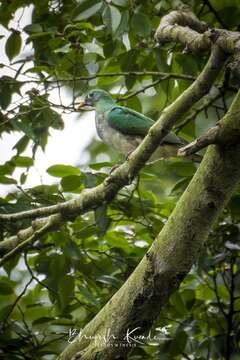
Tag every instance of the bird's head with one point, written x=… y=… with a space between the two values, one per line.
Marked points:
x=99 y=99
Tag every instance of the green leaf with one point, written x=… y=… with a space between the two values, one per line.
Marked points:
x=109 y=280
x=87 y=295
x=8 y=86
x=21 y=145
x=100 y=165
x=183 y=168
x=33 y=28
x=39 y=35
x=63 y=170
x=23 y=178
x=112 y=18
x=134 y=103
x=7 y=168
x=102 y=219
x=65 y=290
x=4 y=311
x=178 y=343
x=5 y=287
x=204 y=293
x=71 y=182
x=20 y=125
x=115 y=18
x=141 y=24
x=93 y=48
x=86 y=232
x=38 y=69
x=177 y=302
x=63 y=49
x=43 y=320
x=230 y=15
x=13 y=44
x=120 y=2
x=6 y=180
x=52 y=118
x=117 y=241
x=23 y=161
x=180 y=186
x=123 y=26
x=92 y=10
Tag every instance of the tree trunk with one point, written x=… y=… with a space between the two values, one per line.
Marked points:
x=139 y=301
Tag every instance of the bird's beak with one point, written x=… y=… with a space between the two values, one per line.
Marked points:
x=83 y=103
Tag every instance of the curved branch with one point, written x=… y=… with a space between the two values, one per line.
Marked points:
x=123 y=175
x=184 y=27
x=139 y=301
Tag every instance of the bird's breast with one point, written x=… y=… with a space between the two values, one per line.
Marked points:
x=121 y=142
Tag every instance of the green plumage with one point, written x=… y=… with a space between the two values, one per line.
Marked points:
x=123 y=128
x=128 y=121
x=131 y=122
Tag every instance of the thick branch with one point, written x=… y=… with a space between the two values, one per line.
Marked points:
x=103 y=193
x=137 y=304
x=184 y=27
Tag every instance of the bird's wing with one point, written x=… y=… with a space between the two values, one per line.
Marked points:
x=130 y=122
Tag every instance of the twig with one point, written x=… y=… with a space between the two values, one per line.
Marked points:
x=16 y=301
x=203 y=141
x=144 y=88
x=100 y=75
x=36 y=278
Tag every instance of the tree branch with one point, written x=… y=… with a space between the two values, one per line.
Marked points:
x=139 y=301
x=184 y=27
x=103 y=75
x=103 y=193
x=210 y=137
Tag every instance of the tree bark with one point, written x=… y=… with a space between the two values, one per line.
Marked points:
x=139 y=301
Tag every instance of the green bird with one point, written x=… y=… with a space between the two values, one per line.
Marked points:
x=123 y=128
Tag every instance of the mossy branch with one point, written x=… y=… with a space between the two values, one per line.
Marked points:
x=139 y=301
x=124 y=174
x=186 y=28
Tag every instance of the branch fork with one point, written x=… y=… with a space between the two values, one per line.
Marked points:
x=210 y=137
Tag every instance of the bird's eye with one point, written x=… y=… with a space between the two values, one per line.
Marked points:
x=90 y=95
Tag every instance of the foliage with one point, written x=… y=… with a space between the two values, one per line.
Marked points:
x=65 y=278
